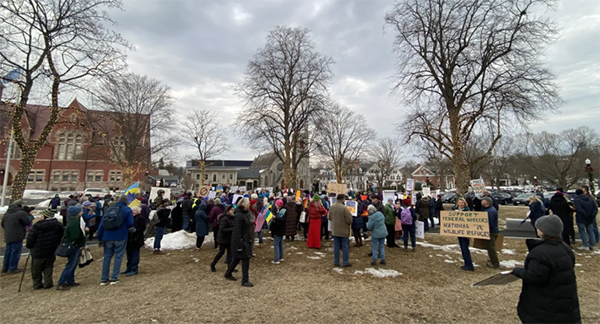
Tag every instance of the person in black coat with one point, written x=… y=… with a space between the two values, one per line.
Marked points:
x=561 y=208
x=225 y=221
x=135 y=241
x=176 y=218
x=42 y=241
x=549 y=292
x=240 y=242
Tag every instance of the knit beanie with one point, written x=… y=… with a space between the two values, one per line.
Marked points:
x=279 y=203
x=74 y=211
x=550 y=225
x=48 y=213
x=316 y=198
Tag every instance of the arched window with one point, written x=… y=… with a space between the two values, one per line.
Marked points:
x=70 y=146
x=62 y=147
x=78 y=146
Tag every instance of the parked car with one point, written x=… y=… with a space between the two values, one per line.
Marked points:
x=95 y=192
x=449 y=198
x=502 y=198
x=522 y=199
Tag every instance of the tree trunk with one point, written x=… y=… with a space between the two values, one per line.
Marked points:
x=202 y=172
x=20 y=181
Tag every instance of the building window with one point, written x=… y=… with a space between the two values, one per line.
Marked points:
x=16 y=152
x=214 y=177
x=223 y=176
x=94 y=176
x=115 y=175
x=36 y=176
x=65 y=176
x=206 y=176
x=231 y=176
x=198 y=176
x=70 y=146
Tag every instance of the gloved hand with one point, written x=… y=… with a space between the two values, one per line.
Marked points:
x=131 y=230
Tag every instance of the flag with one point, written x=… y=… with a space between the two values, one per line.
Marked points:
x=13 y=75
x=306 y=202
x=269 y=214
x=260 y=220
x=131 y=191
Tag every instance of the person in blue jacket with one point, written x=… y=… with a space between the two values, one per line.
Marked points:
x=201 y=221
x=487 y=204
x=114 y=242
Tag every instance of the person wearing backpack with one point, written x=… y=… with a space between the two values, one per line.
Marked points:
x=408 y=216
x=112 y=233
x=390 y=224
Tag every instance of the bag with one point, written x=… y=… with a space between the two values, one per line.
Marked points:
x=65 y=250
x=154 y=218
x=303 y=218
x=406 y=217
x=85 y=258
x=281 y=213
x=92 y=221
x=113 y=219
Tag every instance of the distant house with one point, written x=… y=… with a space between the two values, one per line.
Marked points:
x=423 y=174
x=271 y=172
x=217 y=172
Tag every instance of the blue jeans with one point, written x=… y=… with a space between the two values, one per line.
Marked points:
x=159 y=233
x=587 y=232
x=133 y=260
x=12 y=254
x=116 y=249
x=595 y=230
x=406 y=231
x=463 y=242
x=337 y=240
x=278 y=247
x=68 y=274
x=432 y=222
x=378 y=244
x=260 y=238
x=186 y=222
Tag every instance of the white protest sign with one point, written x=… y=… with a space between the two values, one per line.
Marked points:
x=420 y=230
x=387 y=194
x=242 y=188
x=236 y=197
x=410 y=184
x=234 y=188
x=478 y=186
x=212 y=194
x=426 y=191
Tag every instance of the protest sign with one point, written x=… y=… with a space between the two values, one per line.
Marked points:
x=426 y=191
x=352 y=207
x=269 y=189
x=501 y=279
x=154 y=193
x=203 y=191
x=333 y=200
x=420 y=230
x=410 y=184
x=337 y=188
x=212 y=194
x=298 y=193
x=413 y=198
x=219 y=189
x=464 y=224
x=235 y=198
x=387 y=194
x=242 y=188
x=481 y=244
x=234 y=188
x=478 y=186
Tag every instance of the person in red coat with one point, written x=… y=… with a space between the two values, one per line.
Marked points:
x=315 y=211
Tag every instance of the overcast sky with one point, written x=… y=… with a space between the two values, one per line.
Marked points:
x=201 y=48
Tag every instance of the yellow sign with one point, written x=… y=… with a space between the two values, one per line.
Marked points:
x=298 y=193
x=338 y=188
x=465 y=224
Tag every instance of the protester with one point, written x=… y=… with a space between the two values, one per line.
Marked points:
x=585 y=212
x=561 y=208
x=177 y=218
x=315 y=213
x=158 y=200
x=75 y=234
x=376 y=224
x=240 y=242
x=14 y=222
x=278 y=229
x=341 y=220
x=215 y=212
x=536 y=209
x=463 y=242
x=439 y=206
x=113 y=232
x=390 y=223
x=291 y=218
x=224 y=238
x=201 y=221
x=488 y=207
x=42 y=241
x=408 y=217
x=549 y=292
x=54 y=202
x=135 y=241
x=357 y=224
x=431 y=211
x=586 y=191
x=494 y=201
x=252 y=215
x=423 y=210
x=186 y=211
x=160 y=228
x=324 y=219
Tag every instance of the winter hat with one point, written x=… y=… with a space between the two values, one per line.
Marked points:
x=72 y=203
x=316 y=198
x=74 y=211
x=579 y=192
x=17 y=203
x=124 y=199
x=341 y=197
x=86 y=203
x=488 y=199
x=48 y=213
x=279 y=203
x=252 y=202
x=550 y=225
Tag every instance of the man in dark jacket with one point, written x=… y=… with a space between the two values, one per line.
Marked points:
x=240 y=242
x=186 y=210
x=494 y=201
x=549 y=293
x=14 y=222
x=493 y=222
x=585 y=213
x=42 y=240
x=55 y=202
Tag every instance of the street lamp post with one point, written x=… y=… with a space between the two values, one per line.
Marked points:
x=590 y=174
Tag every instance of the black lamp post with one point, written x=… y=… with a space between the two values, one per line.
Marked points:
x=590 y=174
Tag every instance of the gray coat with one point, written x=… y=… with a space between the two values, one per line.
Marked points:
x=14 y=222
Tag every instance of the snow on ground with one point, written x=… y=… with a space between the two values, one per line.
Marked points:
x=448 y=261
x=293 y=248
x=578 y=264
x=450 y=248
x=510 y=264
x=321 y=254
x=43 y=204
x=507 y=251
x=177 y=241
x=299 y=252
x=382 y=273
x=338 y=270
x=314 y=257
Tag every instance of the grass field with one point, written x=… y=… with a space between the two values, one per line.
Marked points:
x=179 y=288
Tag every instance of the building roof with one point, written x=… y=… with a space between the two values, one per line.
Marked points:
x=221 y=163
x=423 y=172
x=248 y=173
x=264 y=161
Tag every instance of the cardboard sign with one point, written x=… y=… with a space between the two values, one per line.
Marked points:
x=464 y=224
x=420 y=230
x=426 y=191
x=337 y=188
x=478 y=186
x=203 y=191
x=410 y=184
x=481 y=244
x=352 y=207
x=298 y=193
x=501 y=279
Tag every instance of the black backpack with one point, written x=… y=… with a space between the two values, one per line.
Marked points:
x=112 y=219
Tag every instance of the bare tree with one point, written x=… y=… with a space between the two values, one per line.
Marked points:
x=201 y=130
x=285 y=89
x=344 y=136
x=187 y=183
x=53 y=44
x=135 y=122
x=559 y=159
x=470 y=66
x=386 y=155
x=500 y=161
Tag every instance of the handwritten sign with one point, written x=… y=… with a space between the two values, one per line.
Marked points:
x=465 y=224
x=387 y=194
x=337 y=188
x=242 y=188
x=410 y=184
x=420 y=230
x=212 y=194
x=234 y=188
x=426 y=191
x=478 y=186
x=352 y=207
x=203 y=191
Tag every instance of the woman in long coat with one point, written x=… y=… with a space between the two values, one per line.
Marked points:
x=315 y=211
x=240 y=242
x=290 y=219
x=201 y=220
x=561 y=208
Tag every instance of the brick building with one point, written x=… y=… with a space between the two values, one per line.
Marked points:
x=74 y=157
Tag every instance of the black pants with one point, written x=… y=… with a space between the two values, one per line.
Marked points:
x=215 y=233
x=42 y=266
x=222 y=249
x=305 y=229
x=199 y=241
x=324 y=230
x=245 y=268
x=391 y=237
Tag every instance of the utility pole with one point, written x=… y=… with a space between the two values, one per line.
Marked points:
x=7 y=167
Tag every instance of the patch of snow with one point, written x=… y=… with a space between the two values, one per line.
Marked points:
x=299 y=252
x=448 y=261
x=358 y=272
x=382 y=273
x=580 y=270
x=177 y=241
x=588 y=257
x=578 y=264
x=320 y=254
x=439 y=255
x=507 y=251
x=196 y=260
x=329 y=249
x=448 y=257
x=314 y=257
x=431 y=256
x=293 y=248
x=338 y=270
x=510 y=263
x=43 y=204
